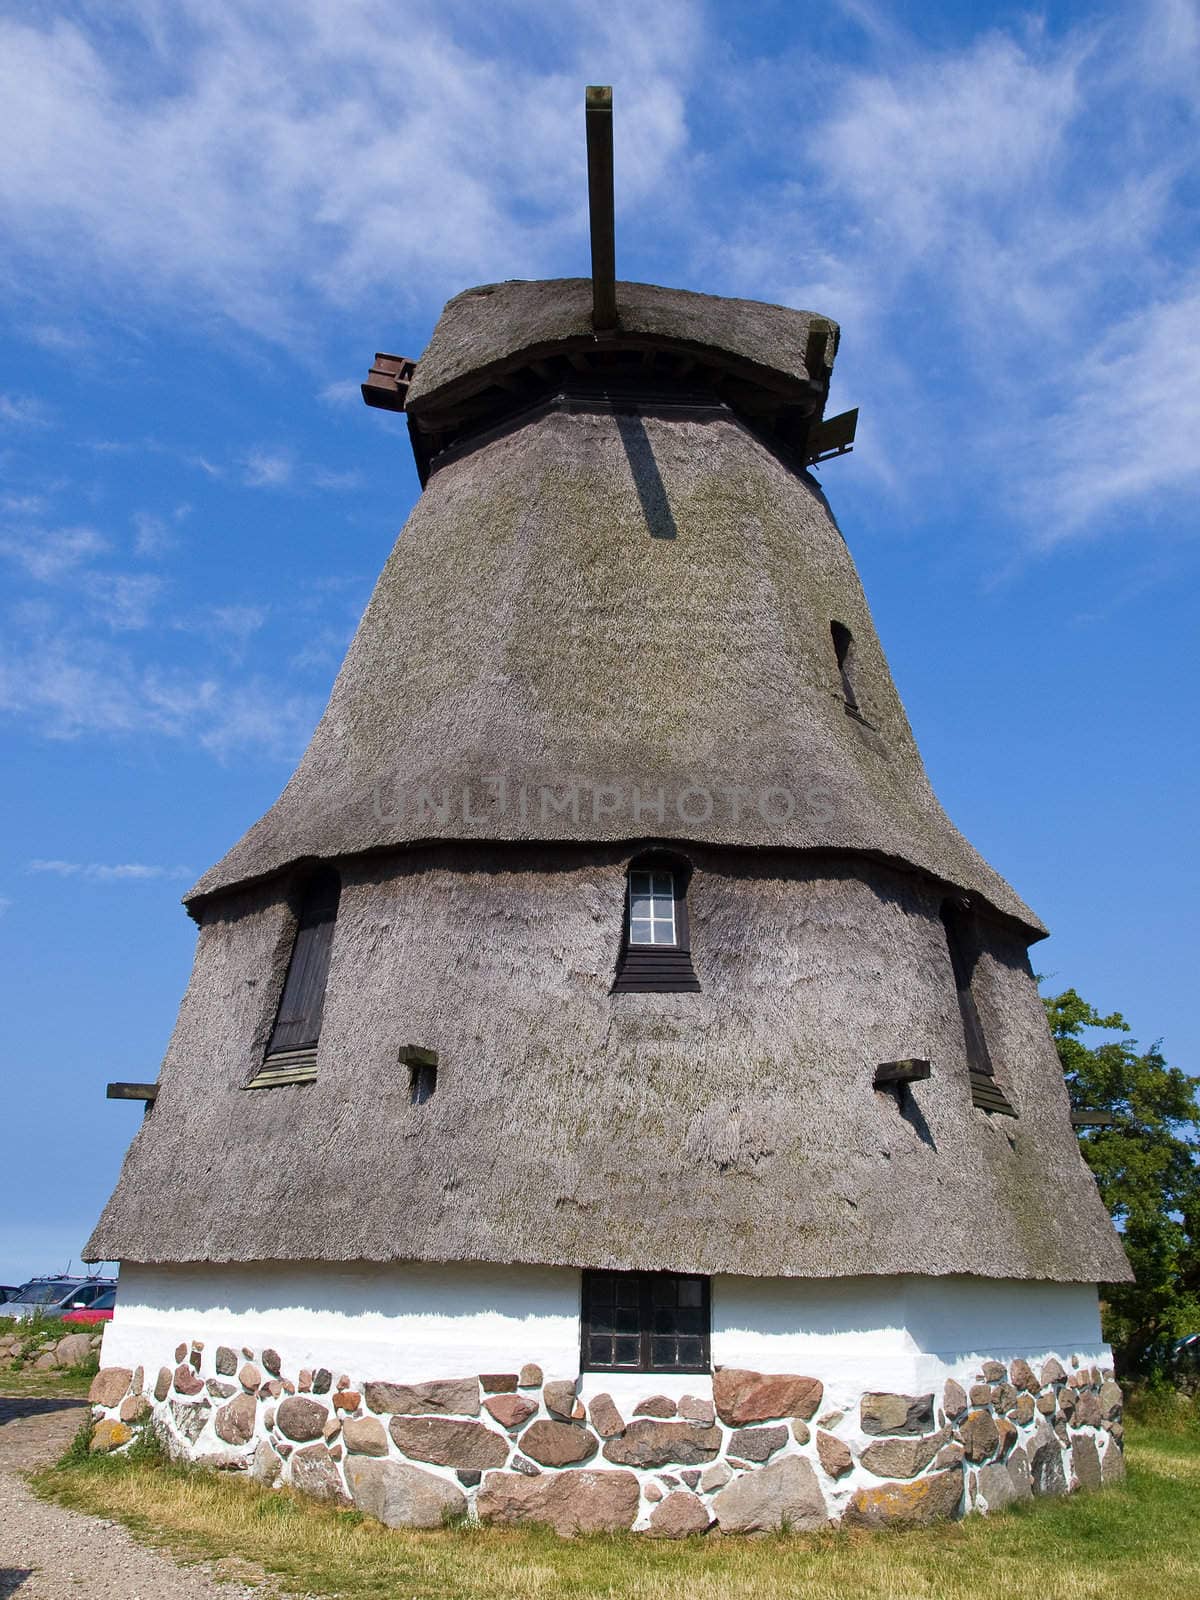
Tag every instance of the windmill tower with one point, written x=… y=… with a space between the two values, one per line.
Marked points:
x=610 y=1092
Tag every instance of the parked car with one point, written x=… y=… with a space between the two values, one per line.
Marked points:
x=100 y=1310
x=51 y=1297
x=8 y=1291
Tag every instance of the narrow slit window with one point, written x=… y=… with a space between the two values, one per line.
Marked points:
x=291 y=1054
x=843 y=649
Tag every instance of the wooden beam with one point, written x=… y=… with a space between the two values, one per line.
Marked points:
x=833 y=437
x=598 y=117
x=416 y=1055
x=1093 y=1119
x=131 y=1091
x=387 y=382
x=890 y=1073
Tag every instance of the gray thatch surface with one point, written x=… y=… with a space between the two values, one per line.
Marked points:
x=731 y=1131
x=497 y=326
x=593 y=605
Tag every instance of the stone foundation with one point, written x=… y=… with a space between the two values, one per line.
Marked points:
x=746 y=1453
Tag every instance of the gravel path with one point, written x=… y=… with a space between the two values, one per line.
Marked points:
x=48 y=1553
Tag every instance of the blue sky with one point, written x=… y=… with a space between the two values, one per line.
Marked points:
x=211 y=216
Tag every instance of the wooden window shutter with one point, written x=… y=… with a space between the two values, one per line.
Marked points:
x=962 y=941
x=298 y=1024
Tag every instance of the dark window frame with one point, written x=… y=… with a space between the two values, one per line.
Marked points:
x=658 y=968
x=647 y=1289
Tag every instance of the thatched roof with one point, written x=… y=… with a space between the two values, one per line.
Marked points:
x=609 y=623
x=498 y=327
x=589 y=604
x=731 y=1131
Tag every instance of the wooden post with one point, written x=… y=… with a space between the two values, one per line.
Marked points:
x=598 y=115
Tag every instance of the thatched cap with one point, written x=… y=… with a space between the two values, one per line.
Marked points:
x=590 y=613
x=497 y=327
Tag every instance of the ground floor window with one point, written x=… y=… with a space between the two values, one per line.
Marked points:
x=645 y=1322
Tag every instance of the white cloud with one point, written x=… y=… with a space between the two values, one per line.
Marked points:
x=391 y=150
x=1129 y=429
x=22 y=410
x=5 y=903
x=978 y=216
x=996 y=258
x=267 y=469
x=69 y=685
x=49 y=555
x=325 y=478
x=22 y=505
x=152 y=536
x=101 y=872
x=124 y=601
x=343 y=395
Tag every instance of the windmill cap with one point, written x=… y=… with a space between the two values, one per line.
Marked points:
x=499 y=328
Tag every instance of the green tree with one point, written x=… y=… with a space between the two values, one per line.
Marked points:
x=1147 y=1165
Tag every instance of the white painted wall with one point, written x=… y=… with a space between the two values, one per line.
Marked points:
x=403 y=1322
x=903 y=1334
x=416 y=1321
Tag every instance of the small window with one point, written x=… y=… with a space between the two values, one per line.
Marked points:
x=291 y=1055
x=655 y=954
x=422 y=1081
x=645 y=1322
x=843 y=649
x=422 y=1066
x=652 y=907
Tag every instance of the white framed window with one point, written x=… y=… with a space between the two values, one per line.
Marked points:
x=652 y=907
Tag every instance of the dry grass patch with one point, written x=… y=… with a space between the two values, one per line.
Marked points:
x=1139 y=1542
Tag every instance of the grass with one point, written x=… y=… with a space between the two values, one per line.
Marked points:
x=1140 y=1541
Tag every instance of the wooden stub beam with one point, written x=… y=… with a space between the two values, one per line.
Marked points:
x=416 y=1055
x=890 y=1073
x=1093 y=1119
x=833 y=437
x=598 y=115
x=387 y=382
x=131 y=1091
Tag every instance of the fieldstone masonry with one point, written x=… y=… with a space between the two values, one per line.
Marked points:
x=516 y=1448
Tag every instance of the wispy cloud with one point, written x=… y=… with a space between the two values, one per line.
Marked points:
x=67 y=685
x=151 y=141
x=344 y=395
x=123 y=601
x=102 y=872
x=964 y=209
x=1128 y=430
x=49 y=554
x=23 y=410
x=268 y=469
x=1014 y=284
x=325 y=478
x=152 y=536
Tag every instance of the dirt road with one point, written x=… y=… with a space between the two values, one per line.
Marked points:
x=47 y=1553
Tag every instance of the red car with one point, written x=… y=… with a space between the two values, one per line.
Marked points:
x=100 y=1310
